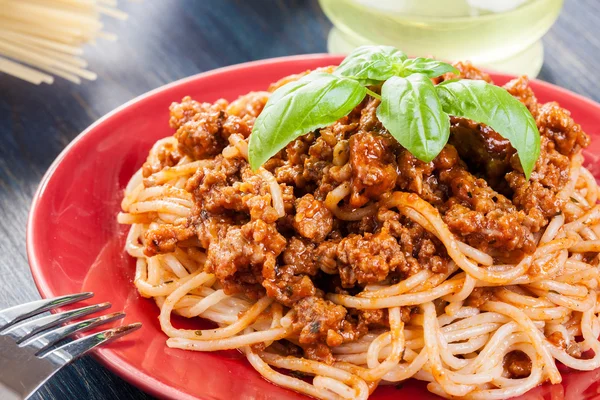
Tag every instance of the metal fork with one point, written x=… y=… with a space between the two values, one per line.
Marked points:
x=32 y=349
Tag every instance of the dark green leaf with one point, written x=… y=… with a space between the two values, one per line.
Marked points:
x=314 y=101
x=427 y=66
x=371 y=64
x=411 y=111
x=494 y=106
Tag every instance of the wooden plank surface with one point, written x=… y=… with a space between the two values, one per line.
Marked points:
x=164 y=41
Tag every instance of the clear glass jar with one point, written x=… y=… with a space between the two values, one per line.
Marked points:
x=500 y=35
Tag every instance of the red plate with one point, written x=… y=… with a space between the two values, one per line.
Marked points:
x=75 y=244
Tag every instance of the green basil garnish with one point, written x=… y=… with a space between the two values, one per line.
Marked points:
x=426 y=66
x=314 y=101
x=494 y=106
x=372 y=64
x=424 y=127
x=412 y=109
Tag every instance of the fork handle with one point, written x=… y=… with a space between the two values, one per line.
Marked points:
x=22 y=372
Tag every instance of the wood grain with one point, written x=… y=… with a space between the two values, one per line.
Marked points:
x=164 y=41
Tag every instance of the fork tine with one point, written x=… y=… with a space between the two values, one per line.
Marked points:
x=48 y=339
x=18 y=313
x=77 y=348
x=25 y=330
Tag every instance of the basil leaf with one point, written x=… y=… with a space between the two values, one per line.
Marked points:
x=494 y=106
x=314 y=101
x=411 y=111
x=371 y=64
x=427 y=66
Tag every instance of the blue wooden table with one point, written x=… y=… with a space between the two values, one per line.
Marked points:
x=164 y=41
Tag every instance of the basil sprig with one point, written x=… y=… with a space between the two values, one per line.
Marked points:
x=372 y=64
x=413 y=109
x=314 y=101
x=494 y=106
x=424 y=127
x=426 y=66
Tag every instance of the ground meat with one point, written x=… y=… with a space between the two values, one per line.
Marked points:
x=483 y=149
x=483 y=217
x=167 y=156
x=319 y=352
x=315 y=316
x=479 y=296
x=517 y=364
x=286 y=348
x=340 y=129
x=290 y=175
x=537 y=197
x=316 y=170
x=164 y=238
x=421 y=249
x=325 y=255
x=557 y=339
x=292 y=281
x=574 y=350
x=230 y=185
x=250 y=104
x=367 y=224
x=556 y=124
x=242 y=126
x=321 y=324
x=309 y=163
x=297 y=150
x=213 y=185
x=313 y=220
x=495 y=230
x=198 y=127
x=202 y=129
x=286 y=287
x=466 y=71
x=495 y=160
x=290 y=168
x=417 y=176
x=373 y=166
x=368 y=117
x=317 y=165
x=520 y=89
x=245 y=254
x=377 y=317
x=368 y=258
x=300 y=254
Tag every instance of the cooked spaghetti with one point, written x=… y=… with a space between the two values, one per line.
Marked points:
x=349 y=262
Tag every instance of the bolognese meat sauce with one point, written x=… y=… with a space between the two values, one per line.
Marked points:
x=486 y=202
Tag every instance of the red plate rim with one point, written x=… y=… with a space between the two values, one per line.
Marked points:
x=110 y=360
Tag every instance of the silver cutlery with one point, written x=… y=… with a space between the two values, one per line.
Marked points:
x=34 y=347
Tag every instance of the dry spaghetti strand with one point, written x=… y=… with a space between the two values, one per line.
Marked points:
x=40 y=40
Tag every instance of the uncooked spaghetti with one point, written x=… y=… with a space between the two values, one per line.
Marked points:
x=350 y=262
x=40 y=39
